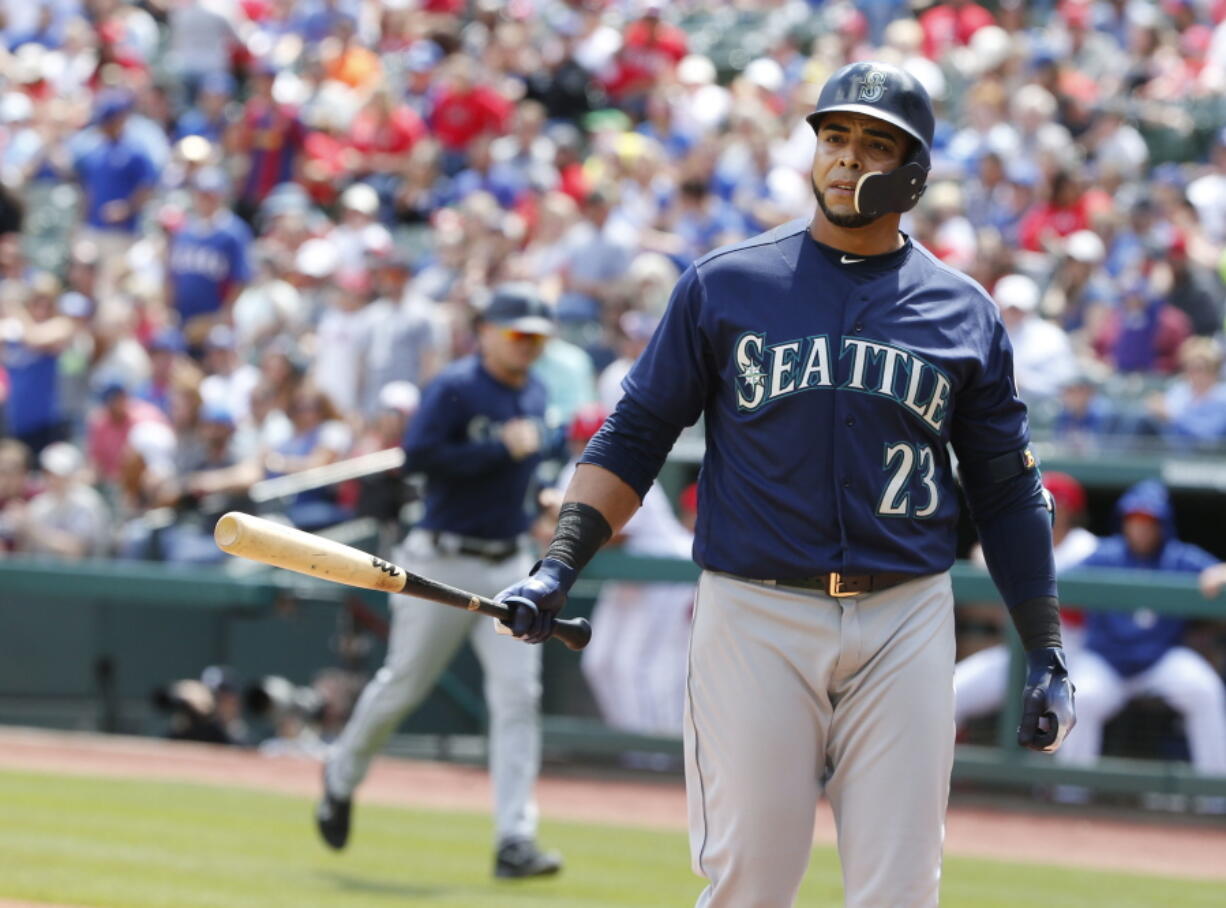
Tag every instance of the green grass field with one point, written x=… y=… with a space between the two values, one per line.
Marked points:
x=132 y=844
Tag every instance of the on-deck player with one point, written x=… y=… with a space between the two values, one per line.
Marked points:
x=478 y=436
x=834 y=362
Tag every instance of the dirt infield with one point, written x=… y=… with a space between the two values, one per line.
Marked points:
x=1173 y=849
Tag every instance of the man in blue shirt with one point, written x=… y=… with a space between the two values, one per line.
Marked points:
x=209 y=265
x=478 y=437
x=209 y=116
x=117 y=176
x=834 y=363
x=1132 y=653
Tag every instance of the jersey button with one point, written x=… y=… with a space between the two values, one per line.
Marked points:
x=851 y=421
x=858 y=327
x=847 y=483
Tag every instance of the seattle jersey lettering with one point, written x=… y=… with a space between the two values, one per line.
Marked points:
x=867 y=366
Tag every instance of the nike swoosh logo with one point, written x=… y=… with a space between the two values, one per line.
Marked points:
x=846 y=261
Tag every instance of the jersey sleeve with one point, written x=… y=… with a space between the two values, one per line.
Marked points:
x=989 y=417
x=671 y=378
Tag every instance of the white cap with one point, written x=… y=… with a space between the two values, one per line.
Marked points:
x=155 y=442
x=1016 y=291
x=399 y=395
x=1085 y=246
x=765 y=73
x=360 y=197
x=61 y=459
x=695 y=69
x=317 y=257
x=15 y=107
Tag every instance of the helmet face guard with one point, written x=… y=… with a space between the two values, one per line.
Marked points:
x=896 y=97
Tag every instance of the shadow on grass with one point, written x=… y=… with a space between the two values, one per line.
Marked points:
x=348 y=883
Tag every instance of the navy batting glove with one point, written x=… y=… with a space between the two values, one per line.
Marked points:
x=1047 y=701
x=537 y=599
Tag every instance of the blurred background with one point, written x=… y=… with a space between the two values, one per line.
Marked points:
x=237 y=237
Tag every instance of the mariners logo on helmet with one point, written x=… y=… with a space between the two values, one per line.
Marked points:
x=895 y=96
x=872 y=86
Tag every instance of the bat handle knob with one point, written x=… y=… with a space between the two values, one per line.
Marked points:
x=574 y=632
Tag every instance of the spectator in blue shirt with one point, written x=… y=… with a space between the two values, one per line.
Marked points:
x=117 y=176
x=208 y=258
x=31 y=341
x=1132 y=653
x=1192 y=411
x=209 y=117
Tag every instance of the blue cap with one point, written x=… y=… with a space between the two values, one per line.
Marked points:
x=112 y=103
x=519 y=306
x=422 y=56
x=263 y=66
x=76 y=305
x=220 y=337
x=218 y=83
x=213 y=411
x=112 y=387
x=168 y=340
x=212 y=180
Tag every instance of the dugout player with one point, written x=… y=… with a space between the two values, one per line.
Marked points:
x=478 y=437
x=835 y=361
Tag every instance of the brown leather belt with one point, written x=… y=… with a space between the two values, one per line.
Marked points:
x=841 y=585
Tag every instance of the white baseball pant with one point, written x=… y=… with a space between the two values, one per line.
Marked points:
x=1182 y=678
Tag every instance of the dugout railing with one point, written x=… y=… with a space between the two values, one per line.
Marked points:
x=82 y=640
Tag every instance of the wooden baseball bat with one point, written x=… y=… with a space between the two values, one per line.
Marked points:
x=282 y=546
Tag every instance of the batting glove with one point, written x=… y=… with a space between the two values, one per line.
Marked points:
x=1047 y=701
x=537 y=599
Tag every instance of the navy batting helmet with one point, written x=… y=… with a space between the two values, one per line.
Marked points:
x=888 y=93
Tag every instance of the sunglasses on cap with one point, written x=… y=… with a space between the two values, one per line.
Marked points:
x=517 y=335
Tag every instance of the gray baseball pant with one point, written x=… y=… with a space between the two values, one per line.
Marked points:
x=792 y=693
x=424 y=638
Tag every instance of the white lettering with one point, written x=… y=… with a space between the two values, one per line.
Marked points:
x=935 y=414
x=816 y=373
x=916 y=367
x=862 y=349
x=783 y=357
x=888 y=368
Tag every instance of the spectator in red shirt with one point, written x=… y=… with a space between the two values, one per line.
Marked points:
x=110 y=424
x=1064 y=212
x=382 y=134
x=464 y=110
x=950 y=25
x=651 y=49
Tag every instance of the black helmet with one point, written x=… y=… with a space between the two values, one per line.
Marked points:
x=888 y=93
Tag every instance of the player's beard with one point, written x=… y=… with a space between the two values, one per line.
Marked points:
x=851 y=221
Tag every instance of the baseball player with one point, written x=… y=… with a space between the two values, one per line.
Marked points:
x=1141 y=652
x=478 y=436
x=834 y=362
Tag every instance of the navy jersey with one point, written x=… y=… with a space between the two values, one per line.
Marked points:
x=831 y=386
x=473 y=487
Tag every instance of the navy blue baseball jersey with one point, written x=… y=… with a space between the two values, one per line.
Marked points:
x=473 y=486
x=831 y=386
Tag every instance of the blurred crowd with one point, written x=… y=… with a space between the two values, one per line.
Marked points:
x=238 y=236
